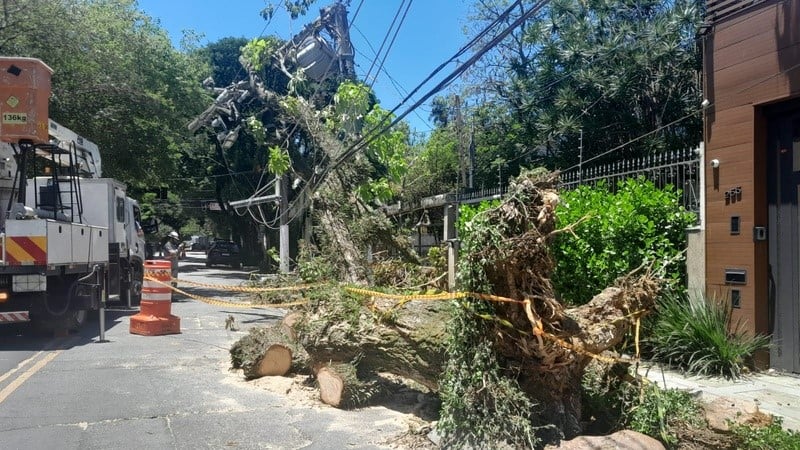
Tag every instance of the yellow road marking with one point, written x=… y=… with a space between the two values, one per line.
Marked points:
x=23 y=377
x=20 y=366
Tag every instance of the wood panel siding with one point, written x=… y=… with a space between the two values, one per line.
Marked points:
x=720 y=9
x=752 y=58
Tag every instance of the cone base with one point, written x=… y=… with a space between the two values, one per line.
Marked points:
x=149 y=325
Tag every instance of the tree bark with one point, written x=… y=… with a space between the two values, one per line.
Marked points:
x=409 y=342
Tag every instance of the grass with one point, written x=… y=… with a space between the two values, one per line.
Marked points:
x=700 y=338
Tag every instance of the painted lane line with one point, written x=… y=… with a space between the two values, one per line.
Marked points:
x=20 y=366
x=8 y=390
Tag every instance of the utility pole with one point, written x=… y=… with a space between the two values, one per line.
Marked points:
x=462 y=156
x=344 y=46
x=282 y=190
x=281 y=196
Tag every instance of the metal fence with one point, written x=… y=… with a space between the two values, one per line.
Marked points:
x=678 y=168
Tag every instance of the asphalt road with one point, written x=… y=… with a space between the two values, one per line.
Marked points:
x=163 y=392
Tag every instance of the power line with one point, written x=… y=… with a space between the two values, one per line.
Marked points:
x=376 y=131
x=385 y=37
x=356 y=147
x=391 y=43
x=638 y=138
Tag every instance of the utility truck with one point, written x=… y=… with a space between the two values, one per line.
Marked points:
x=69 y=238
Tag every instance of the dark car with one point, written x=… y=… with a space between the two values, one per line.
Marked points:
x=224 y=253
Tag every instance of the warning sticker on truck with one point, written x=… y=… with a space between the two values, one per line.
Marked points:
x=15 y=118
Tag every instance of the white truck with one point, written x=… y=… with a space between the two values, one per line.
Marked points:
x=69 y=239
x=68 y=235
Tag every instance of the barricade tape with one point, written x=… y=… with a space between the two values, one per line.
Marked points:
x=228 y=287
x=215 y=302
x=536 y=324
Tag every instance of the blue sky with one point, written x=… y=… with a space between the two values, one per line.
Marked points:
x=431 y=33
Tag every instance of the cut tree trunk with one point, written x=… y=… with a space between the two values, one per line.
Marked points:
x=267 y=351
x=277 y=361
x=340 y=387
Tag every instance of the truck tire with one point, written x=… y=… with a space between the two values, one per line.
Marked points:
x=58 y=313
x=68 y=321
x=135 y=287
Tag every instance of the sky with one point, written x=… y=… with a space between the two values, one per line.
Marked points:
x=432 y=32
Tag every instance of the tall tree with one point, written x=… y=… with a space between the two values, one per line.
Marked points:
x=613 y=70
x=117 y=80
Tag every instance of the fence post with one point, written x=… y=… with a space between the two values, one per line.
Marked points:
x=450 y=215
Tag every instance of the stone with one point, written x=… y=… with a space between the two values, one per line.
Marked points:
x=723 y=411
x=621 y=440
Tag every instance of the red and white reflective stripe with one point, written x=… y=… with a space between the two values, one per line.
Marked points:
x=14 y=316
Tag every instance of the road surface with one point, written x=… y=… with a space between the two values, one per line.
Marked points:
x=163 y=392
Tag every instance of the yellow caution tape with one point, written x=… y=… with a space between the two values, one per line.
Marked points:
x=227 y=287
x=216 y=302
x=536 y=324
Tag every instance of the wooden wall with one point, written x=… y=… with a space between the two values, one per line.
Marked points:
x=751 y=60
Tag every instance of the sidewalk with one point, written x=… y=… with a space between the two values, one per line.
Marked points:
x=775 y=393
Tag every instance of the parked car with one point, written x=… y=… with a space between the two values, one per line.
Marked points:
x=224 y=253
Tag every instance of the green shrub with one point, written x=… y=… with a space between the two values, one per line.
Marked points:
x=770 y=437
x=658 y=413
x=616 y=234
x=698 y=337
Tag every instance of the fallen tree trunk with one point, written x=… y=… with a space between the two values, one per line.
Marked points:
x=408 y=341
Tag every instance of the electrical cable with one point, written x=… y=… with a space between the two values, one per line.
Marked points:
x=374 y=132
x=358 y=8
x=638 y=138
x=352 y=150
x=391 y=43
x=385 y=37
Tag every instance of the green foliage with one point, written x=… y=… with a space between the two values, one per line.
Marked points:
x=613 y=69
x=615 y=233
x=657 y=412
x=770 y=437
x=117 y=81
x=352 y=102
x=433 y=166
x=481 y=406
x=257 y=52
x=467 y=212
x=698 y=337
x=279 y=162
x=314 y=267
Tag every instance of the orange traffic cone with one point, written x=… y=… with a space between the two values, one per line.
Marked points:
x=155 y=314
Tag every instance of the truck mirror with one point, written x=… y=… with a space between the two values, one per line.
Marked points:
x=150 y=226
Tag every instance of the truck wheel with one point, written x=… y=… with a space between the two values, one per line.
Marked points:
x=135 y=288
x=69 y=321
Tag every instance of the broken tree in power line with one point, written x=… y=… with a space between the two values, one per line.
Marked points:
x=293 y=121
x=520 y=344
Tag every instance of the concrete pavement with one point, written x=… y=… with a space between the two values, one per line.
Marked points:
x=774 y=392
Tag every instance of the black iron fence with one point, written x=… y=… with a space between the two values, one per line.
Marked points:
x=678 y=168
